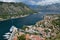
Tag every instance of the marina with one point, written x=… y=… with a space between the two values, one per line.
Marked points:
x=19 y=22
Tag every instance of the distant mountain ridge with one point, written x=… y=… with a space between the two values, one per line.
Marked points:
x=11 y=9
x=51 y=8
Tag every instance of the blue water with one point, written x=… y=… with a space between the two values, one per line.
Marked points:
x=19 y=22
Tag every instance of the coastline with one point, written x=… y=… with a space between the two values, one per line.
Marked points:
x=21 y=16
x=13 y=17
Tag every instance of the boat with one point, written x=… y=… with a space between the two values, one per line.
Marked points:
x=13 y=28
x=6 y=36
x=8 y=33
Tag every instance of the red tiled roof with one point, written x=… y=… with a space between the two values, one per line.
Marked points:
x=15 y=38
x=27 y=36
x=36 y=37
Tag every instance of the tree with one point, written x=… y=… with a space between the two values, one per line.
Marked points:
x=22 y=37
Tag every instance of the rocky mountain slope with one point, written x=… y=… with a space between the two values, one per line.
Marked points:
x=49 y=8
x=10 y=9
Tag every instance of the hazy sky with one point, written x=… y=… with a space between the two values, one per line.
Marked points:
x=35 y=2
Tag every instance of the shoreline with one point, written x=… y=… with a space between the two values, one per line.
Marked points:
x=21 y=16
x=13 y=17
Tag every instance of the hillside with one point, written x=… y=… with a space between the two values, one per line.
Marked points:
x=8 y=10
x=46 y=8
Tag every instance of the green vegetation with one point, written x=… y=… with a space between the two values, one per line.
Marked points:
x=56 y=24
x=46 y=30
x=24 y=27
x=22 y=37
x=36 y=33
x=54 y=38
x=10 y=9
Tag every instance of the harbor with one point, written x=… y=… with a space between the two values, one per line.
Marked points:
x=19 y=22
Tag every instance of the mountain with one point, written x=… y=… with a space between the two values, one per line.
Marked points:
x=11 y=9
x=47 y=8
